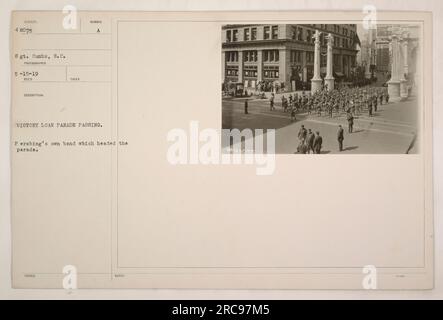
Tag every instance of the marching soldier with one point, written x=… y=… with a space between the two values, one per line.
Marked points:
x=350 y=119
x=293 y=109
x=271 y=102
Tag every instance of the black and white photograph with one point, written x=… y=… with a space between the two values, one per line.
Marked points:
x=324 y=88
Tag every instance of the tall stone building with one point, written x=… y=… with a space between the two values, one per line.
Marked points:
x=284 y=53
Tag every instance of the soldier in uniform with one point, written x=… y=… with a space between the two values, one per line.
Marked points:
x=340 y=137
x=310 y=141
x=246 y=106
x=302 y=133
x=293 y=110
x=271 y=101
x=318 y=140
x=350 y=119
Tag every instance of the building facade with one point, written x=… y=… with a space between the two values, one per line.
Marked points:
x=383 y=63
x=284 y=53
x=367 y=56
x=408 y=33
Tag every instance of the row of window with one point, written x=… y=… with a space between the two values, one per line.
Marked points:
x=269 y=72
x=250 y=34
x=251 y=56
x=298 y=33
x=301 y=34
x=268 y=56
x=337 y=28
x=295 y=56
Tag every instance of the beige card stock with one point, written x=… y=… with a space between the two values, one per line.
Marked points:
x=98 y=203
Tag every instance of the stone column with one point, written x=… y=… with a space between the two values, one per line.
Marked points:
x=403 y=81
x=329 y=79
x=394 y=82
x=316 y=79
x=259 y=65
x=240 y=66
x=283 y=72
x=405 y=57
x=223 y=72
x=303 y=66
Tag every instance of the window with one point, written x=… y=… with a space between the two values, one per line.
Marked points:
x=246 y=34
x=270 y=55
x=274 y=32
x=323 y=39
x=228 y=36
x=266 y=33
x=300 y=34
x=254 y=34
x=296 y=56
x=234 y=35
x=270 y=72
x=310 y=57
x=250 y=72
x=250 y=56
x=232 y=71
x=231 y=56
x=308 y=36
x=297 y=33
x=323 y=61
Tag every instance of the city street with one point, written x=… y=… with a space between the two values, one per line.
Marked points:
x=390 y=130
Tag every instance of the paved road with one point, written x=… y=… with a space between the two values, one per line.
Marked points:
x=390 y=131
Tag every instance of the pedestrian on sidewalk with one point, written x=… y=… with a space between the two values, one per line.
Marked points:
x=340 y=137
x=246 y=106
